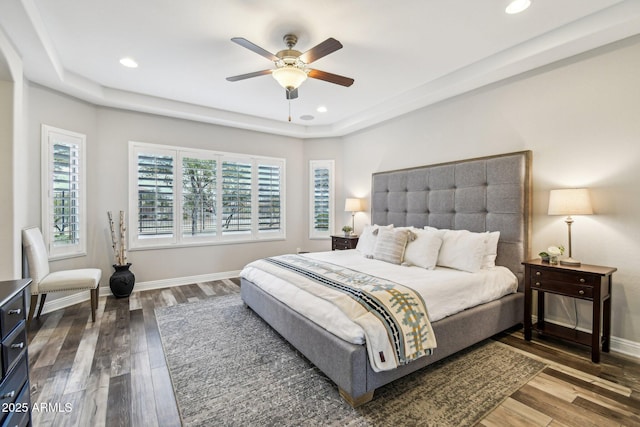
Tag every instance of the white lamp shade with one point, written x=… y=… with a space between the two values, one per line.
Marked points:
x=570 y=201
x=289 y=77
x=353 y=205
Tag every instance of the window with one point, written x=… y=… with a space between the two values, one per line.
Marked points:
x=63 y=192
x=183 y=196
x=321 y=200
x=198 y=197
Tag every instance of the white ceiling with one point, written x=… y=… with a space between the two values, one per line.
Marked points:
x=402 y=54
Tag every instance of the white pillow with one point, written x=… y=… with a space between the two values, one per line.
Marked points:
x=491 y=249
x=367 y=241
x=391 y=244
x=491 y=244
x=462 y=250
x=423 y=250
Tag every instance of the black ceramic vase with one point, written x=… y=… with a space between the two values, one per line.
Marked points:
x=122 y=281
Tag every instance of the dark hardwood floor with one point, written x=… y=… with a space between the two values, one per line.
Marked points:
x=113 y=372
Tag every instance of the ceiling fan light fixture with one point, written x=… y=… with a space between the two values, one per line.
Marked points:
x=289 y=77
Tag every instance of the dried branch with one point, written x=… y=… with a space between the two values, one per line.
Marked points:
x=123 y=240
x=114 y=243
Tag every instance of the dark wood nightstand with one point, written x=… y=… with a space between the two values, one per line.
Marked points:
x=341 y=243
x=586 y=282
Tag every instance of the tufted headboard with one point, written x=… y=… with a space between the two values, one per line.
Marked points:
x=484 y=194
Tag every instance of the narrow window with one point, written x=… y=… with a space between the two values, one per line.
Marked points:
x=64 y=190
x=322 y=198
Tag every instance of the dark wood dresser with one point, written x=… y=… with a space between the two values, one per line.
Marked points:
x=15 y=398
x=342 y=243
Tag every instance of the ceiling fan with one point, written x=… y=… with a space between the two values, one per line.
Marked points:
x=291 y=65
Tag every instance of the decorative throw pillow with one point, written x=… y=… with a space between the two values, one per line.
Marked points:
x=491 y=249
x=462 y=250
x=367 y=241
x=423 y=250
x=390 y=245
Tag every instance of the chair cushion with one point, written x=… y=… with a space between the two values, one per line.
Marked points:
x=71 y=280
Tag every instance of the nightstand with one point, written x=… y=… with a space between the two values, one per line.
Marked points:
x=585 y=282
x=341 y=243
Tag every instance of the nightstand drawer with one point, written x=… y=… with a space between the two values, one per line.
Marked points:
x=342 y=243
x=563 y=288
x=570 y=277
x=563 y=283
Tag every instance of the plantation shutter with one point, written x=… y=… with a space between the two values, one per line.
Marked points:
x=321 y=203
x=155 y=195
x=236 y=196
x=65 y=194
x=198 y=196
x=321 y=199
x=269 y=197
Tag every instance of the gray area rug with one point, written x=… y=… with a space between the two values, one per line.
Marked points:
x=228 y=367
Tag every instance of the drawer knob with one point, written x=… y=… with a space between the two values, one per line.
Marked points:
x=582 y=280
x=15 y=311
x=538 y=273
x=18 y=345
x=9 y=395
x=581 y=292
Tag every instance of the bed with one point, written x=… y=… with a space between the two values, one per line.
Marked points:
x=483 y=194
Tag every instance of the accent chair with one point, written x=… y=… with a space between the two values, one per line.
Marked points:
x=44 y=281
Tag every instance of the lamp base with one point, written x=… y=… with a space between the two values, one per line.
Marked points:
x=570 y=261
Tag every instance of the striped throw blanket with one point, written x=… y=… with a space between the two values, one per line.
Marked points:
x=394 y=318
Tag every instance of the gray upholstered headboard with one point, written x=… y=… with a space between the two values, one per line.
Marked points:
x=484 y=194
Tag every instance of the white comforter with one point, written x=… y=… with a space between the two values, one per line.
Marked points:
x=444 y=290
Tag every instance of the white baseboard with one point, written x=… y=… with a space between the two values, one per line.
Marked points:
x=619 y=345
x=79 y=297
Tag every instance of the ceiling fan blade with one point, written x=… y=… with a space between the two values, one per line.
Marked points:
x=255 y=48
x=291 y=94
x=328 y=46
x=248 y=75
x=331 y=78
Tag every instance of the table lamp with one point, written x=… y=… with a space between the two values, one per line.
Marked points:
x=353 y=206
x=570 y=201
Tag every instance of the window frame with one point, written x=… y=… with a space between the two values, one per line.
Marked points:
x=51 y=135
x=313 y=166
x=178 y=239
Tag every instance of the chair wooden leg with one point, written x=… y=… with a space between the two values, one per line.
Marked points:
x=32 y=308
x=43 y=297
x=94 y=303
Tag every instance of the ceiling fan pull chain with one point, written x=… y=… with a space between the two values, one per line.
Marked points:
x=289 y=110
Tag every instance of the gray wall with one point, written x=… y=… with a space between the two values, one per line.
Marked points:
x=580 y=119
x=108 y=132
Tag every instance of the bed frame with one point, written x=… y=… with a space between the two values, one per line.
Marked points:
x=484 y=194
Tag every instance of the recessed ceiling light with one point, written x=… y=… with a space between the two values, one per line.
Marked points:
x=307 y=117
x=517 y=6
x=129 y=63
x=321 y=109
